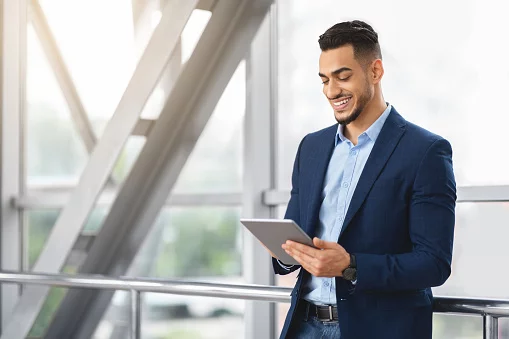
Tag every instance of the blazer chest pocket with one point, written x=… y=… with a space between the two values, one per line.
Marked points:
x=402 y=301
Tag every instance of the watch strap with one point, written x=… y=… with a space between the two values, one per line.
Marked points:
x=353 y=261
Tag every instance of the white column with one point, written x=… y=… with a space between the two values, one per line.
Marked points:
x=12 y=90
x=259 y=170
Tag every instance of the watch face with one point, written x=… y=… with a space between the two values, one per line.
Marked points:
x=349 y=274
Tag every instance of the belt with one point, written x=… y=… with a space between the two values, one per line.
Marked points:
x=322 y=312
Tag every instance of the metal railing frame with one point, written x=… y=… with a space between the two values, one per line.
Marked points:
x=489 y=309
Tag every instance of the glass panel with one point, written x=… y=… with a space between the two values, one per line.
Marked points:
x=166 y=316
x=49 y=308
x=127 y=158
x=479 y=244
x=192 y=32
x=188 y=40
x=100 y=53
x=40 y=223
x=184 y=317
x=55 y=151
x=56 y=155
x=444 y=88
x=215 y=165
x=195 y=243
x=503 y=328
x=447 y=326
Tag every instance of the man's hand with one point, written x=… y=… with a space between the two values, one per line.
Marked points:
x=328 y=259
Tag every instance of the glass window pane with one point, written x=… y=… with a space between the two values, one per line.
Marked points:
x=48 y=310
x=166 y=316
x=54 y=150
x=215 y=165
x=195 y=243
x=179 y=317
x=448 y=326
x=479 y=244
x=192 y=32
x=39 y=224
x=100 y=54
x=127 y=158
x=443 y=88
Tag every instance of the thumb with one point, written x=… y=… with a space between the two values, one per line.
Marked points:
x=319 y=243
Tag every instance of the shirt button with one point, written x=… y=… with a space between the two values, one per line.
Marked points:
x=354 y=152
x=345 y=184
x=326 y=284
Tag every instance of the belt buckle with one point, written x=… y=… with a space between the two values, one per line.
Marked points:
x=331 y=318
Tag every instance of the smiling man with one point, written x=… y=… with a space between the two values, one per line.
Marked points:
x=378 y=195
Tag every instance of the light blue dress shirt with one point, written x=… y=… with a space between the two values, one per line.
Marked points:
x=343 y=173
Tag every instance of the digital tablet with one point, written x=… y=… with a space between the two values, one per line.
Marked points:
x=273 y=233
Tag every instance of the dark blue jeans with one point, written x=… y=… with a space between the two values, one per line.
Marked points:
x=307 y=326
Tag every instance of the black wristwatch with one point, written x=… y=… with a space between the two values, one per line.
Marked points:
x=350 y=273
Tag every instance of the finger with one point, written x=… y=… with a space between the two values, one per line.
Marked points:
x=302 y=257
x=292 y=245
x=319 y=243
x=307 y=264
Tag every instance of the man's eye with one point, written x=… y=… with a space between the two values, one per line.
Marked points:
x=344 y=79
x=325 y=82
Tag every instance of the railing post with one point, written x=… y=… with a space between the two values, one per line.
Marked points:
x=490 y=327
x=135 y=314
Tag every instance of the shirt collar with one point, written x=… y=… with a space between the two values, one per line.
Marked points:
x=372 y=132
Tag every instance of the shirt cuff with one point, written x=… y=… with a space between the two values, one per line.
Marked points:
x=286 y=267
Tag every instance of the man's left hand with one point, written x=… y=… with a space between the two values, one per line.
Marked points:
x=328 y=259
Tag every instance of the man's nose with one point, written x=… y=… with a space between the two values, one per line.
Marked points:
x=333 y=91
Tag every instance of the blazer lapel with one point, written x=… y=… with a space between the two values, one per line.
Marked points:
x=391 y=133
x=320 y=164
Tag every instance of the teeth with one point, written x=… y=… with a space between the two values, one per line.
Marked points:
x=342 y=102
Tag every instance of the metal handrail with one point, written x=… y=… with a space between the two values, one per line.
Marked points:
x=490 y=309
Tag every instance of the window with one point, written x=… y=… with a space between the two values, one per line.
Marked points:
x=433 y=76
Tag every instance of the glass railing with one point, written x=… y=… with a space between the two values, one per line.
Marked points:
x=490 y=309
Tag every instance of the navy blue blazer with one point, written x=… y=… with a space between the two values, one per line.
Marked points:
x=400 y=226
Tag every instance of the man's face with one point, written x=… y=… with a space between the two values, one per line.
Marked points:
x=345 y=83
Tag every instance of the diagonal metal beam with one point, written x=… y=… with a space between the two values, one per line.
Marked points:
x=143 y=127
x=223 y=45
x=62 y=75
x=207 y=5
x=103 y=158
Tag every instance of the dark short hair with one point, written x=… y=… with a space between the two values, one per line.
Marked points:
x=359 y=34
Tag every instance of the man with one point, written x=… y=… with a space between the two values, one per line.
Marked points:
x=378 y=195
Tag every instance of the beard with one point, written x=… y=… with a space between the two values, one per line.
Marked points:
x=358 y=109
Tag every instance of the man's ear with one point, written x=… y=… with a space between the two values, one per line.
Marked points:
x=377 y=71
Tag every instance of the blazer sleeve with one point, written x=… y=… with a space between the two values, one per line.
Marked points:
x=431 y=226
x=292 y=212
